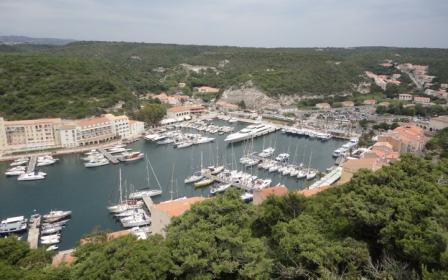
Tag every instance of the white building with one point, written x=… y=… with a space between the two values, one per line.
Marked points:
x=120 y=125
x=136 y=128
x=69 y=135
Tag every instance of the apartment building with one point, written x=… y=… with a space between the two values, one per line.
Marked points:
x=185 y=111
x=405 y=97
x=41 y=134
x=408 y=138
x=29 y=135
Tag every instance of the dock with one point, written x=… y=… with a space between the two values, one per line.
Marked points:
x=109 y=156
x=33 y=233
x=148 y=202
x=31 y=164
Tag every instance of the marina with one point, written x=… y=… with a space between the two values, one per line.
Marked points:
x=87 y=192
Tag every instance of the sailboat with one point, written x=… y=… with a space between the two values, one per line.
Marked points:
x=126 y=205
x=198 y=175
x=311 y=174
x=147 y=192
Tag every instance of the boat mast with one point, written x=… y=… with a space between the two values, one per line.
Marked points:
x=119 y=186
x=154 y=173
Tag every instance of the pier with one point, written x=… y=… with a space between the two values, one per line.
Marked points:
x=108 y=155
x=33 y=233
x=31 y=164
x=148 y=202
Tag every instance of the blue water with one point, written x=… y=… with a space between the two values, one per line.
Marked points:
x=88 y=191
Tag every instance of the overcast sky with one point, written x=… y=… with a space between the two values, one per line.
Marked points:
x=258 y=23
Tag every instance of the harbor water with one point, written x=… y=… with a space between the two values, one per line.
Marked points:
x=88 y=191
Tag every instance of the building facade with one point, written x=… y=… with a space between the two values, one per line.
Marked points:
x=42 y=134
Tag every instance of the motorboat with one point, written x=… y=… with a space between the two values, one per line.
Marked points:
x=31 y=176
x=45 y=160
x=185 y=144
x=165 y=141
x=133 y=156
x=52 y=248
x=13 y=225
x=301 y=174
x=282 y=157
x=194 y=178
x=55 y=224
x=274 y=167
x=129 y=212
x=203 y=140
x=130 y=204
x=96 y=163
x=136 y=221
x=19 y=161
x=220 y=189
x=267 y=152
x=56 y=215
x=203 y=183
x=146 y=192
x=16 y=171
x=259 y=184
x=51 y=230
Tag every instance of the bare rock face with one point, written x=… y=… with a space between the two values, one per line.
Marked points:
x=253 y=98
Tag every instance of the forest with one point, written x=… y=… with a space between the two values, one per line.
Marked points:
x=389 y=224
x=88 y=78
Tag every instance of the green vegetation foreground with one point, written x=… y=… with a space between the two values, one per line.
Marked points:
x=391 y=224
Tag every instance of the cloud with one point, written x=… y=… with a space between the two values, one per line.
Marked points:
x=261 y=23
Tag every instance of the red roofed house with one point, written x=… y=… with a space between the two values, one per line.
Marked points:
x=184 y=111
x=162 y=213
x=408 y=138
x=262 y=195
x=206 y=89
x=95 y=131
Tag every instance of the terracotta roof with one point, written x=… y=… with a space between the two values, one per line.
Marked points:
x=33 y=122
x=277 y=190
x=410 y=133
x=177 y=207
x=383 y=144
x=353 y=165
x=185 y=108
x=93 y=121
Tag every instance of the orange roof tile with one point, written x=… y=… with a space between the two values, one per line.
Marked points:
x=177 y=207
x=311 y=192
x=63 y=257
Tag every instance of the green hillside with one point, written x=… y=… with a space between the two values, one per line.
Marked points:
x=86 y=78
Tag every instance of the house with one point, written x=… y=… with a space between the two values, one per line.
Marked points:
x=162 y=213
x=177 y=99
x=408 y=138
x=351 y=166
x=347 y=104
x=225 y=106
x=383 y=151
x=323 y=106
x=185 y=111
x=263 y=194
x=405 y=97
x=206 y=89
x=422 y=99
x=369 y=102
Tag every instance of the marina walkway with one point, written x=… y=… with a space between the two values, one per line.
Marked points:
x=31 y=164
x=148 y=202
x=107 y=155
x=33 y=233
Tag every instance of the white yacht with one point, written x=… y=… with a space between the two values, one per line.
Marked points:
x=267 y=152
x=31 y=176
x=128 y=157
x=13 y=225
x=311 y=174
x=220 y=189
x=130 y=212
x=185 y=144
x=96 y=163
x=135 y=221
x=16 y=171
x=45 y=160
x=57 y=215
x=19 y=161
x=249 y=132
x=282 y=157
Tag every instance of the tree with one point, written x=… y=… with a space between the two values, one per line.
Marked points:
x=214 y=241
x=152 y=113
x=242 y=104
